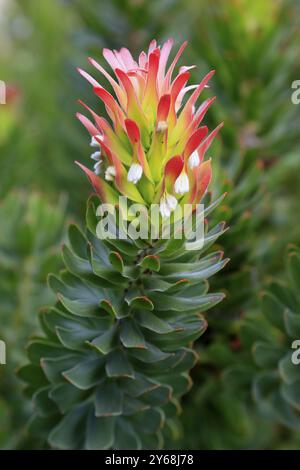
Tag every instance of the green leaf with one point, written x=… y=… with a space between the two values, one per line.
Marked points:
x=159 y=396
x=108 y=399
x=284 y=412
x=149 y=421
x=40 y=348
x=65 y=395
x=273 y=310
x=76 y=337
x=99 y=432
x=149 y=355
x=69 y=433
x=209 y=239
x=292 y=323
x=141 y=302
x=264 y=385
x=153 y=323
x=77 y=241
x=183 y=303
x=151 y=262
x=266 y=355
x=86 y=373
x=209 y=208
x=294 y=270
x=32 y=374
x=125 y=437
x=54 y=367
x=291 y=393
x=130 y=335
x=108 y=307
x=75 y=264
x=42 y=404
x=284 y=295
x=118 y=365
x=289 y=372
x=116 y=260
x=187 y=329
x=139 y=386
x=107 y=341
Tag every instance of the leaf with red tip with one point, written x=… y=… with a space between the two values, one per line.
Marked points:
x=204 y=179
x=199 y=178
x=202 y=110
x=176 y=88
x=128 y=86
x=110 y=58
x=134 y=110
x=150 y=95
x=132 y=131
x=172 y=170
x=98 y=119
x=207 y=142
x=164 y=55
x=117 y=89
x=111 y=140
x=116 y=260
x=124 y=186
x=134 y=135
x=151 y=262
x=192 y=100
x=127 y=58
x=186 y=114
x=90 y=127
x=141 y=303
x=174 y=167
x=163 y=107
x=111 y=104
x=152 y=46
x=194 y=141
x=88 y=77
x=106 y=192
x=168 y=77
x=178 y=84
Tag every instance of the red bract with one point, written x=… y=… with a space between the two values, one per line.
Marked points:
x=152 y=149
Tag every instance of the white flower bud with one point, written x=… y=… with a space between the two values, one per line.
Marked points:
x=194 y=159
x=162 y=126
x=110 y=173
x=96 y=156
x=135 y=173
x=171 y=202
x=164 y=208
x=168 y=204
x=97 y=167
x=182 y=185
x=94 y=142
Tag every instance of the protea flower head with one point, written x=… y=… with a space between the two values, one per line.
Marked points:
x=153 y=146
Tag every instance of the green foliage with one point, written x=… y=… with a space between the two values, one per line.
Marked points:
x=112 y=24
x=117 y=346
x=252 y=380
x=30 y=231
x=276 y=383
x=253 y=85
x=243 y=394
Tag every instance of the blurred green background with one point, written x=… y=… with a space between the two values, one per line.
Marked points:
x=254 y=47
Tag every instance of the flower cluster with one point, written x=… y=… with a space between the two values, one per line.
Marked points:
x=152 y=148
